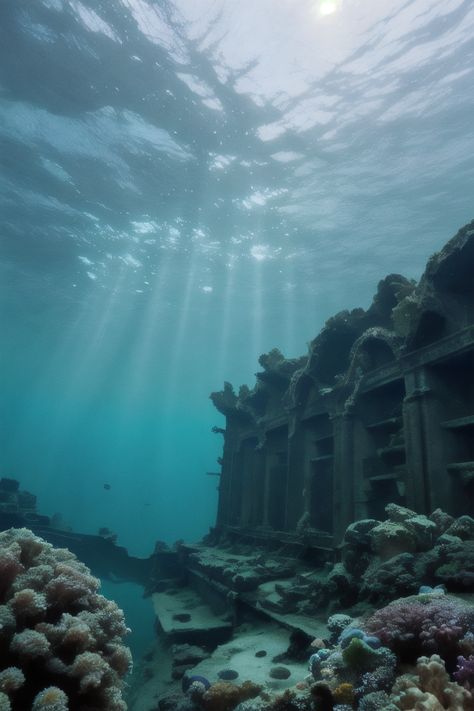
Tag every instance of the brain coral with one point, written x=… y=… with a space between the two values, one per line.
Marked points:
x=60 y=641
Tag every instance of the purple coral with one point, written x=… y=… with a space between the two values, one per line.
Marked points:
x=60 y=641
x=464 y=673
x=415 y=626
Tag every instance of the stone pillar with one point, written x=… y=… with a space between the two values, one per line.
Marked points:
x=297 y=493
x=223 y=504
x=417 y=406
x=343 y=501
x=229 y=485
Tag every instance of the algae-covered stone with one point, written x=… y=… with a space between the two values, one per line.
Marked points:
x=463 y=527
x=425 y=531
x=398 y=514
x=393 y=577
x=341 y=583
x=422 y=528
x=357 y=533
x=442 y=520
x=390 y=539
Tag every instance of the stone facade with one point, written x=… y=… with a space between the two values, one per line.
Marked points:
x=381 y=410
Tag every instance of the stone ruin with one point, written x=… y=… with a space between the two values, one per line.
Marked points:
x=380 y=410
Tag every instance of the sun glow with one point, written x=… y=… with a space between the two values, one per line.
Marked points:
x=327 y=7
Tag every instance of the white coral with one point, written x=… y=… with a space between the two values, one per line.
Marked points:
x=4 y=702
x=70 y=634
x=430 y=689
x=91 y=670
x=54 y=624
x=30 y=644
x=27 y=604
x=50 y=699
x=11 y=679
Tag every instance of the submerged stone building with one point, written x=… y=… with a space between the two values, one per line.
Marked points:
x=380 y=411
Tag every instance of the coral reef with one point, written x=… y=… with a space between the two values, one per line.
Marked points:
x=60 y=641
x=359 y=669
x=380 y=561
x=374 y=665
x=395 y=557
x=424 y=624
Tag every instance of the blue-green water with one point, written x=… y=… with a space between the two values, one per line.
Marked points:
x=185 y=185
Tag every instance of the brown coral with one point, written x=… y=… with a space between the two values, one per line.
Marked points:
x=344 y=694
x=60 y=641
x=224 y=696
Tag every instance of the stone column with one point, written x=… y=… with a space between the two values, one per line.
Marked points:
x=297 y=493
x=343 y=496
x=417 y=406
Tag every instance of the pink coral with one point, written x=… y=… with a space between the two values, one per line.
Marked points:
x=60 y=641
x=423 y=624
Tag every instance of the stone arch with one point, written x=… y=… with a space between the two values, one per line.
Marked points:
x=375 y=348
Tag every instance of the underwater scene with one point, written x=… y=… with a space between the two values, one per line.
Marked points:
x=237 y=355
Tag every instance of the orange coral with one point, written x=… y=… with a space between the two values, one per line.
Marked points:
x=224 y=696
x=344 y=694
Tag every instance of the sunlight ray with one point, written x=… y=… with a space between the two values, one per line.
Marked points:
x=151 y=329
x=226 y=319
x=183 y=309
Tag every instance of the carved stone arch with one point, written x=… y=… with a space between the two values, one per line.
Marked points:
x=375 y=348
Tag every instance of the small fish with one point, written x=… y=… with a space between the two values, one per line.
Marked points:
x=107 y=487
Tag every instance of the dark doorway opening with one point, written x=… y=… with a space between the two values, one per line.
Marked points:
x=278 y=473
x=321 y=496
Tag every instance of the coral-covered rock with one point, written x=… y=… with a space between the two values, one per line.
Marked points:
x=463 y=528
x=224 y=696
x=457 y=569
x=336 y=624
x=393 y=558
x=404 y=530
x=357 y=533
x=423 y=623
x=340 y=583
x=390 y=538
x=442 y=520
x=394 y=577
x=60 y=641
